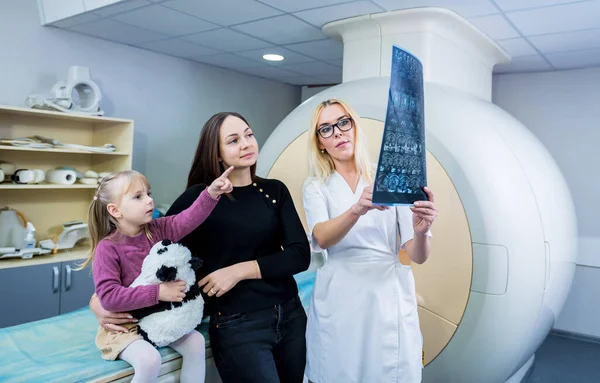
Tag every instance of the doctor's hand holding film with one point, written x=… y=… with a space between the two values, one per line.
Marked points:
x=365 y=203
x=424 y=213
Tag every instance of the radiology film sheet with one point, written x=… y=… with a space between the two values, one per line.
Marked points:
x=401 y=169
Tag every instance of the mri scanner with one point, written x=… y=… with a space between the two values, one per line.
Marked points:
x=504 y=245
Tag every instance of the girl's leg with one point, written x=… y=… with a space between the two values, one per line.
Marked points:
x=145 y=360
x=193 y=352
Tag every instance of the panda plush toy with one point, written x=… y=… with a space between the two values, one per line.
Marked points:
x=166 y=322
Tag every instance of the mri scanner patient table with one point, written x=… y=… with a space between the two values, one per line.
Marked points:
x=61 y=350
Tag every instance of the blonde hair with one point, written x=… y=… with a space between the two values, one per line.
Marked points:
x=321 y=165
x=101 y=224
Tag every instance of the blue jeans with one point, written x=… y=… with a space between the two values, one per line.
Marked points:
x=263 y=346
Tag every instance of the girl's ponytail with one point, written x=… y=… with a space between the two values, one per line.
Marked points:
x=100 y=223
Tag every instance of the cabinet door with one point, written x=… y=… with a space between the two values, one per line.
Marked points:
x=29 y=293
x=77 y=287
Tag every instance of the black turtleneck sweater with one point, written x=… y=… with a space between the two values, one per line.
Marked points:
x=259 y=223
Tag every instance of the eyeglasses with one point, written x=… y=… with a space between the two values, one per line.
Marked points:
x=344 y=125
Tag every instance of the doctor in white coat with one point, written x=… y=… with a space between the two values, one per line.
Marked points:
x=363 y=325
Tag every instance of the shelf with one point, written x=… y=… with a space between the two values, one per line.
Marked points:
x=76 y=253
x=11 y=186
x=48 y=205
x=28 y=112
x=60 y=150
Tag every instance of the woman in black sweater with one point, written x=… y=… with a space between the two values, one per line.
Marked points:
x=252 y=244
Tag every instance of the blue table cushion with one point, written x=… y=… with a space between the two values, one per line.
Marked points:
x=61 y=349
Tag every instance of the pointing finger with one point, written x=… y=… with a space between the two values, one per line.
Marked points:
x=226 y=173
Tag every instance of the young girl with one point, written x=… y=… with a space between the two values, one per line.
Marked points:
x=122 y=233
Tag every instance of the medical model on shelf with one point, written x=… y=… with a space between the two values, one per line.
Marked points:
x=61 y=97
x=64 y=175
x=17 y=236
x=41 y=142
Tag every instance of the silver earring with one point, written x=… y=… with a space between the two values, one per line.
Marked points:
x=322 y=151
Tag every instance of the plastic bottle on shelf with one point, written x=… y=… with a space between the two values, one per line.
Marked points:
x=30 y=241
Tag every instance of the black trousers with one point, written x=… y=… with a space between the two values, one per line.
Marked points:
x=263 y=346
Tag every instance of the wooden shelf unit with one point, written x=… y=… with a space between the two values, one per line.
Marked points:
x=78 y=253
x=48 y=206
x=59 y=150
x=43 y=185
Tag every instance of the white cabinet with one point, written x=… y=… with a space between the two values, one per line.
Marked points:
x=43 y=291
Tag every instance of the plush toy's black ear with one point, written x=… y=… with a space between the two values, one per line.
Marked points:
x=166 y=274
x=196 y=263
x=165 y=243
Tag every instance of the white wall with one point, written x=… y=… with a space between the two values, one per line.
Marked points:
x=169 y=98
x=563 y=110
x=309 y=91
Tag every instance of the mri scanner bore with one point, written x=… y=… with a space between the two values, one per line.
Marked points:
x=503 y=253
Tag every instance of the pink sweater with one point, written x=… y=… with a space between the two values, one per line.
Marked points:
x=118 y=259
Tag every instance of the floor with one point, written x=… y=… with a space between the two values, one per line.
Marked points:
x=561 y=359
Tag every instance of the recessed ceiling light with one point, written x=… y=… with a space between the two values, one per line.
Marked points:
x=273 y=57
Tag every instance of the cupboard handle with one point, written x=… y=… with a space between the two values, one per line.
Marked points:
x=55 y=279
x=68 y=277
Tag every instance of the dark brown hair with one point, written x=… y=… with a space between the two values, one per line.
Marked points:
x=206 y=166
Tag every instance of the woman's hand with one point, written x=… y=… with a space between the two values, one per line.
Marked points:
x=109 y=320
x=365 y=203
x=221 y=185
x=424 y=213
x=221 y=281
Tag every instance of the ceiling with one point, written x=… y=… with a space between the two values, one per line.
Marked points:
x=540 y=35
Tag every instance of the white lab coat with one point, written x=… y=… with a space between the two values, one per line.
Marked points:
x=363 y=325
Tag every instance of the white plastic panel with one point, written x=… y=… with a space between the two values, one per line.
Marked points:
x=490 y=269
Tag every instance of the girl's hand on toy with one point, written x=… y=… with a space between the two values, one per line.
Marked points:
x=109 y=320
x=221 y=281
x=221 y=185
x=171 y=291
x=424 y=213
x=365 y=203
